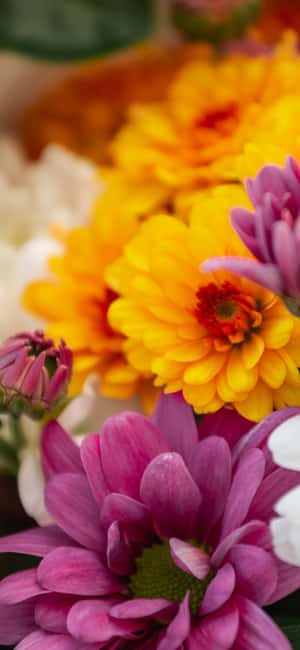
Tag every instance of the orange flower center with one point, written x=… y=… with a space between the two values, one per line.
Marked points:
x=227 y=314
x=220 y=119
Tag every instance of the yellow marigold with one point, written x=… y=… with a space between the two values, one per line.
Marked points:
x=214 y=109
x=75 y=301
x=219 y=338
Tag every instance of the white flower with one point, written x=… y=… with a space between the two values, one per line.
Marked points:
x=85 y=414
x=284 y=444
x=285 y=529
x=59 y=188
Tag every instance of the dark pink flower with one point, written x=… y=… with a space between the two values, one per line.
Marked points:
x=161 y=539
x=34 y=373
x=271 y=233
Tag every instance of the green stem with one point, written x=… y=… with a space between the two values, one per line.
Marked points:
x=17 y=431
x=8 y=457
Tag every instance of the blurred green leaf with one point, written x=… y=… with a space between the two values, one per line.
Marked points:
x=286 y=613
x=65 y=30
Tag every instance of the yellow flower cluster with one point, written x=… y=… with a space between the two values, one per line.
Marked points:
x=128 y=293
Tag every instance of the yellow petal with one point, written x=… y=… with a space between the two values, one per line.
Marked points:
x=205 y=370
x=158 y=336
x=191 y=331
x=171 y=314
x=272 y=369
x=292 y=376
x=240 y=379
x=191 y=351
x=258 y=404
x=120 y=373
x=210 y=407
x=276 y=332
x=138 y=356
x=224 y=391
x=167 y=369
x=290 y=395
x=198 y=396
x=85 y=363
x=252 y=351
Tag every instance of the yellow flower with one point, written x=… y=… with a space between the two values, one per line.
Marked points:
x=75 y=303
x=219 y=338
x=214 y=110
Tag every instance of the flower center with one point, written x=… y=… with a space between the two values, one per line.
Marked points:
x=157 y=576
x=219 y=120
x=226 y=313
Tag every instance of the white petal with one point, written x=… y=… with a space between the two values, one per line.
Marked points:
x=31 y=485
x=286 y=540
x=289 y=504
x=285 y=443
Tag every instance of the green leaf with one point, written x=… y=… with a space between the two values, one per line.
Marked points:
x=65 y=30
x=286 y=614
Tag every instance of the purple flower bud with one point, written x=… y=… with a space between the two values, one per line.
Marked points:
x=34 y=374
x=271 y=233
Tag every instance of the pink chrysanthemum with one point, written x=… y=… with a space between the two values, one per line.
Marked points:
x=161 y=538
x=271 y=233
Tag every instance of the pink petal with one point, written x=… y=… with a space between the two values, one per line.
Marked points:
x=57 y=384
x=286 y=255
x=256 y=630
x=89 y=621
x=179 y=629
x=219 y=590
x=142 y=608
x=247 y=478
x=175 y=418
x=256 y=572
x=77 y=571
x=258 y=436
x=189 y=558
x=217 y=631
x=51 y=612
x=233 y=538
x=266 y=275
x=226 y=423
x=270 y=178
x=210 y=466
x=70 y=502
x=16 y=621
x=43 y=641
x=119 y=557
x=20 y=586
x=135 y=517
x=172 y=495
x=274 y=486
x=33 y=374
x=288 y=581
x=91 y=460
x=58 y=451
x=128 y=443
x=37 y=541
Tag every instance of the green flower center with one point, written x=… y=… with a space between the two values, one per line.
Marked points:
x=157 y=576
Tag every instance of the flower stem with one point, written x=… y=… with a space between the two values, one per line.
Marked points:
x=9 y=462
x=17 y=432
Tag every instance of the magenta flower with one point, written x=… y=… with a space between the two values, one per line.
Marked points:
x=161 y=539
x=271 y=233
x=34 y=374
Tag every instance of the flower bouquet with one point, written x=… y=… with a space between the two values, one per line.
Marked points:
x=150 y=329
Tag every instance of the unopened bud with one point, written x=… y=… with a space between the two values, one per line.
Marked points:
x=34 y=374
